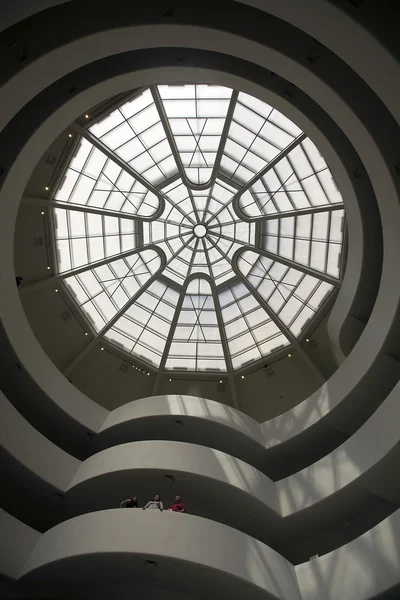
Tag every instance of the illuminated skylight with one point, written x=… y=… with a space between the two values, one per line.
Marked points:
x=198 y=229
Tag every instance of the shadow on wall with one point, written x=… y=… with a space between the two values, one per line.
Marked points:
x=365 y=568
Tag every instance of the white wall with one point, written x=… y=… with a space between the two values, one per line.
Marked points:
x=17 y=541
x=33 y=450
x=360 y=453
x=366 y=567
x=103 y=545
x=263 y=397
x=98 y=375
x=178 y=405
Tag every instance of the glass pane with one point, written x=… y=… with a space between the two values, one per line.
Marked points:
x=207 y=152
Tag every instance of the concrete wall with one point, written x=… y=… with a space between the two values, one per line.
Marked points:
x=334 y=394
x=363 y=569
x=80 y=545
x=368 y=375
x=16 y=543
x=33 y=450
x=264 y=396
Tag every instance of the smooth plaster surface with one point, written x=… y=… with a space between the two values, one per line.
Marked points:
x=380 y=323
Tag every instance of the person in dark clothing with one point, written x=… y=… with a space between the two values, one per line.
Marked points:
x=130 y=503
x=178 y=505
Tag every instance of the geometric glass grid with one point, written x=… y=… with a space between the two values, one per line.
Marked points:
x=187 y=253
x=293 y=296
x=257 y=134
x=299 y=180
x=311 y=240
x=103 y=291
x=143 y=329
x=196 y=343
x=196 y=115
x=83 y=238
x=206 y=151
x=93 y=179
x=135 y=133
x=251 y=333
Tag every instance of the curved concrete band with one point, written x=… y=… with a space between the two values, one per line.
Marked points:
x=362 y=569
x=366 y=378
x=356 y=377
x=306 y=506
x=258 y=571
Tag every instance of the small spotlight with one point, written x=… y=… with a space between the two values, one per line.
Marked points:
x=148 y=373
x=307 y=340
x=47 y=188
x=86 y=116
x=42 y=212
x=170 y=379
x=86 y=332
x=56 y=290
x=70 y=135
x=48 y=268
x=289 y=356
x=221 y=381
x=242 y=376
x=102 y=348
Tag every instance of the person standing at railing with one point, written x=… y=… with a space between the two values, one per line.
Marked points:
x=129 y=503
x=155 y=504
x=178 y=505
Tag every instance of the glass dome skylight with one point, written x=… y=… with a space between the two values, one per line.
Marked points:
x=198 y=228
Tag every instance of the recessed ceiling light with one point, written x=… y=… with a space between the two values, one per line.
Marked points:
x=242 y=376
x=86 y=116
x=56 y=290
x=42 y=212
x=221 y=381
x=48 y=268
x=47 y=188
x=307 y=340
x=148 y=373
x=86 y=332
x=289 y=356
x=102 y=348
x=70 y=135
x=170 y=379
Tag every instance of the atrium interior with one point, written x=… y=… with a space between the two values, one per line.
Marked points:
x=199 y=248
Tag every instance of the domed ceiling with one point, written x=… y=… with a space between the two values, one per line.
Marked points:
x=202 y=229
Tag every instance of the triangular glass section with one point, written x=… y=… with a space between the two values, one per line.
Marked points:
x=135 y=133
x=196 y=115
x=300 y=180
x=93 y=179
x=257 y=134
x=103 y=291
x=196 y=343
x=293 y=296
x=250 y=332
x=143 y=329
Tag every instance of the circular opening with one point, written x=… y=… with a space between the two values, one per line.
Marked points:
x=200 y=231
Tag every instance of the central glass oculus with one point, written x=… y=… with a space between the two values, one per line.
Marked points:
x=200 y=230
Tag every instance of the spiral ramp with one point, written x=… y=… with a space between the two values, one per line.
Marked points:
x=265 y=498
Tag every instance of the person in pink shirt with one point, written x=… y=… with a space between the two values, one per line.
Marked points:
x=178 y=505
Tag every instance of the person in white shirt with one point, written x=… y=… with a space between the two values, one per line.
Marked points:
x=155 y=504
